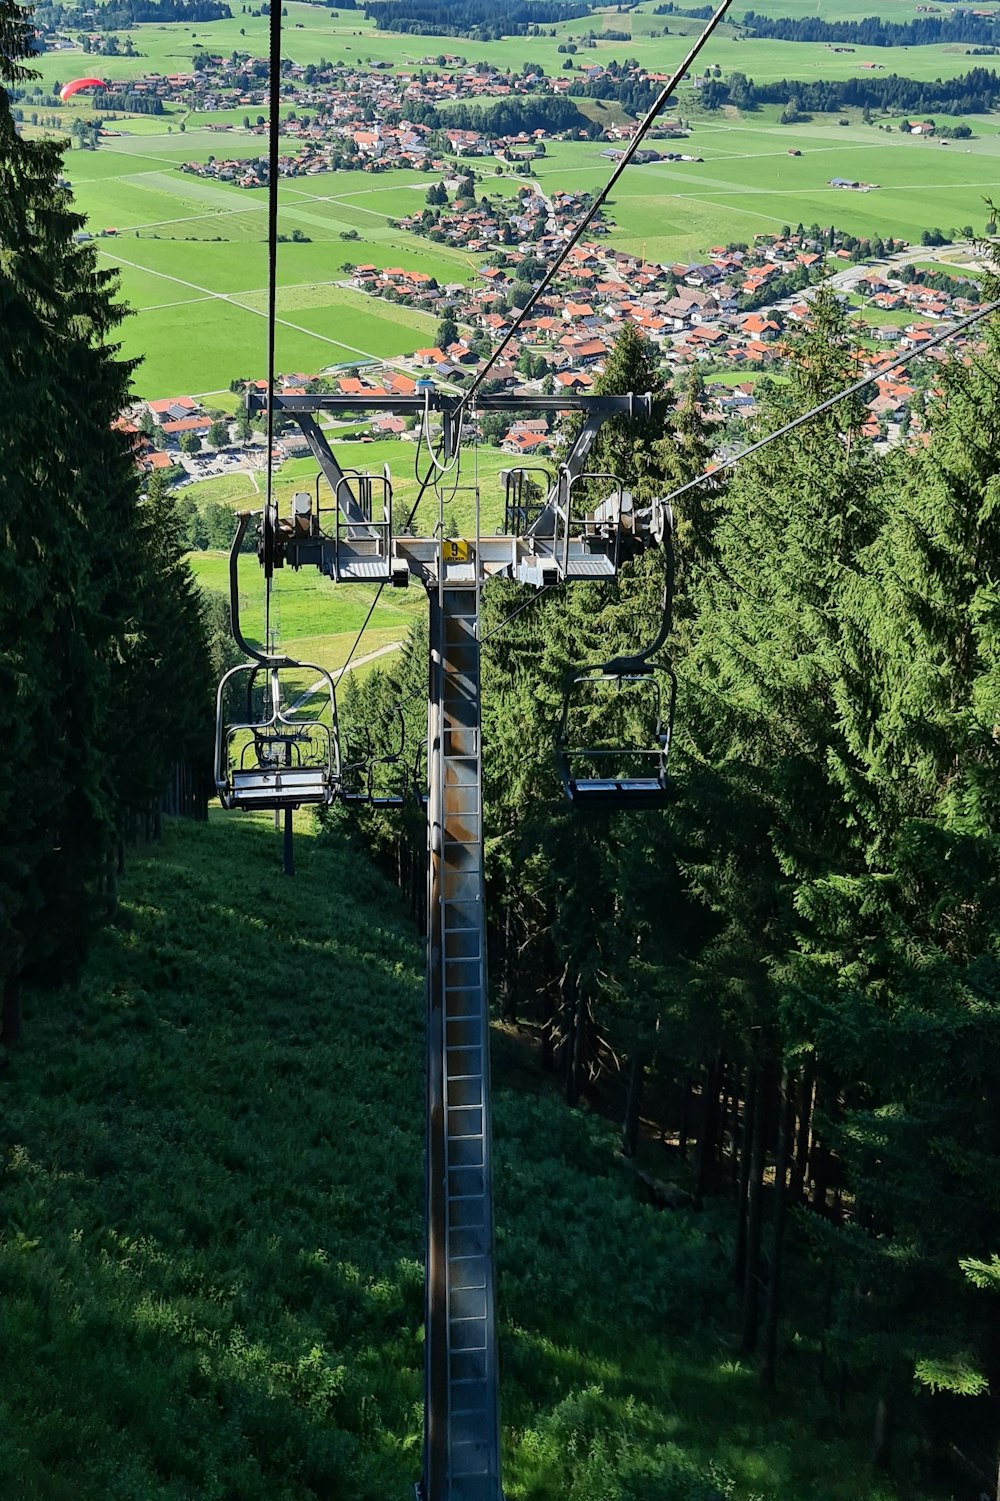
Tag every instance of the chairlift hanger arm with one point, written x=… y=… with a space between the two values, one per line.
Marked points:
x=327 y=461
x=242 y=522
x=633 y=661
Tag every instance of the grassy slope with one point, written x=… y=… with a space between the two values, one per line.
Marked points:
x=211 y=1248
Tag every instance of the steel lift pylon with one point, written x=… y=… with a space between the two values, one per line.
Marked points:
x=462 y=1415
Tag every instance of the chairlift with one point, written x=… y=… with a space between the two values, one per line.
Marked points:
x=372 y=789
x=613 y=742
x=277 y=759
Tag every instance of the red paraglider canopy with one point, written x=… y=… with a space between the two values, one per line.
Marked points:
x=69 y=89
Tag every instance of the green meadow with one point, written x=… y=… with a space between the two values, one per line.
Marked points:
x=316 y=620
x=748 y=183
x=193 y=259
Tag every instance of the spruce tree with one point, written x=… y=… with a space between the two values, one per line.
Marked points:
x=76 y=572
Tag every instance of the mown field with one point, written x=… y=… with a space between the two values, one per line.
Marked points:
x=748 y=183
x=193 y=258
x=315 y=620
x=211 y=1250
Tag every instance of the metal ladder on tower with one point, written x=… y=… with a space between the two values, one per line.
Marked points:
x=462 y=1442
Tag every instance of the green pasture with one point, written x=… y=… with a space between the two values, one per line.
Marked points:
x=184 y=242
x=748 y=184
x=316 y=620
x=198 y=345
x=192 y=343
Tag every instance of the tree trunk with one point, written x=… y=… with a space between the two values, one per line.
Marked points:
x=772 y=1307
x=734 y=1152
x=548 y=1059
x=803 y=1130
x=574 y=1042
x=633 y=1102
x=819 y=1157
x=10 y=1013
x=755 y=1207
x=884 y=1423
x=746 y=1149
x=708 y=1139
x=684 y=1126
x=509 y=971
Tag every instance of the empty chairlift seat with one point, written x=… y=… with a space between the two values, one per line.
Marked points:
x=381 y=778
x=284 y=751
x=614 y=738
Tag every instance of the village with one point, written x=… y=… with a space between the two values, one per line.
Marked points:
x=343 y=116
x=690 y=313
x=724 y=317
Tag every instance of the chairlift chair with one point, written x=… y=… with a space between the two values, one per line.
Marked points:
x=277 y=759
x=631 y=697
x=524 y=490
x=631 y=774
x=372 y=791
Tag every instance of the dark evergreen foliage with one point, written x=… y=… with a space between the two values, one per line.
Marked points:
x=120 y=15
x=927 y=31
x=478 y=19
x=100 y=633
x=975 y=92
x=511 y=116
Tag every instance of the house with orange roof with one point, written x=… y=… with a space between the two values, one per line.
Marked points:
x=758 y=326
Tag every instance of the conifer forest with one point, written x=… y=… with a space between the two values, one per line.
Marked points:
x=746 y=1045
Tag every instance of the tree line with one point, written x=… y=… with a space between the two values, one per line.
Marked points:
x=512 y=116
x=477 y=19
x=119 y=15
x=975 y=92
x=926 y=31
x=790 y=978
x=105 y=678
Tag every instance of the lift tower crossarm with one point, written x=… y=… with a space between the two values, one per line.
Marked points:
x=332 y=472
x=443 y=401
